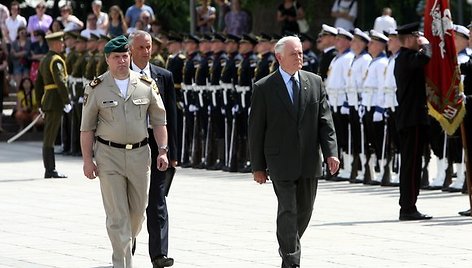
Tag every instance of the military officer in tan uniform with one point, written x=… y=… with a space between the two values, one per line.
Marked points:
x=51 y=88
x=116 y=107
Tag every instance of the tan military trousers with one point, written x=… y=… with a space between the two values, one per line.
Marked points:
x=124 y=182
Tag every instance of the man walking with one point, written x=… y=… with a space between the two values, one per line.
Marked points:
x=290 y=105
x=157 y=217
x=116 y=108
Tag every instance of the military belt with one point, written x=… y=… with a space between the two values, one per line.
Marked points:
x=50 y=86
x=177 y=86
x=128 y=146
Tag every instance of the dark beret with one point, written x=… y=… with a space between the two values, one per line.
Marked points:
x=117 y=44
x=247 y=38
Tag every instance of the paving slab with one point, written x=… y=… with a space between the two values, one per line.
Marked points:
x=220 y=219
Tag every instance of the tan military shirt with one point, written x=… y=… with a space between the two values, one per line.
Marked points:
x=118 y=119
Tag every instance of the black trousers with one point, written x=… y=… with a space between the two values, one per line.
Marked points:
x=295 y=206
x=411 y=149
x=156 y=211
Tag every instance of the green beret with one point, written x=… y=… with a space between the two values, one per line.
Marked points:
x=117 y=44
x=57 y=36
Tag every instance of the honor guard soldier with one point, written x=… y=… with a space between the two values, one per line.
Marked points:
x=175 y=65
x=265 y=56
x=391 y=168
x=336 y=86
x=456 y=152
x=373 y=101
x=411 y=116
x=325 y=44
x=274 y=39
x=70 y=38
x=117 y=106
x=51 y=86
x=156 y=56
x=229 y=78
x=356 y=75
x=215 y=140
x=190 y=99
x=243 y=89
x=466 y=70
x=202 y=77
x=102 y=65
x=310 y=60
x=77 y=93
x=91 y=58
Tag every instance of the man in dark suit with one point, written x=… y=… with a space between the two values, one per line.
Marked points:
x=157 y=217
x=290 y=121
x=411 y=116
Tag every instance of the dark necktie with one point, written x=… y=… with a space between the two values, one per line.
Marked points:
x=143 y=73
x=296 y=93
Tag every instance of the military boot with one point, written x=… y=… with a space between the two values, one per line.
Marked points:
x=50 y=164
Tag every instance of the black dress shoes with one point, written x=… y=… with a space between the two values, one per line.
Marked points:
x=414 y=216
x=465 y=213
x=54 y=174
x=162 y=261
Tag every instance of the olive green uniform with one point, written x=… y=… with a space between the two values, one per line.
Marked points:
x=102 y=65
x=77 y=93
x=51 y=88
x=124 y=173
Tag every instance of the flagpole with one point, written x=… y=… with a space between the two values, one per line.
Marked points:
x=468 y=167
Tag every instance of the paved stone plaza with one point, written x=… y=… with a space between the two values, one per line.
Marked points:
x=220 y=219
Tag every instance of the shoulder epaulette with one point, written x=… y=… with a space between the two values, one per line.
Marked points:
x=95 y=82
x=182 y=56
x=146 y=79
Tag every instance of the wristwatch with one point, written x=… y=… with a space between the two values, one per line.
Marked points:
x=164 y=148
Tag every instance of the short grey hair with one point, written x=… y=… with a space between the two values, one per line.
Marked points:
x=280 y=45
x=135 y=34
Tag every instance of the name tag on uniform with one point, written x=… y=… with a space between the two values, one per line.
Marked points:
x=141 y=101
x=109 y=103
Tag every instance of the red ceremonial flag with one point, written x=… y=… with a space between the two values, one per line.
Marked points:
x=443 y=81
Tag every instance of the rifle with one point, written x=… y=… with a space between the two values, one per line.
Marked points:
x=362 y=157
x=184 y=125
x=226 y=87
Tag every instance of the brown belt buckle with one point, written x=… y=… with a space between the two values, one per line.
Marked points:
x=129 y=146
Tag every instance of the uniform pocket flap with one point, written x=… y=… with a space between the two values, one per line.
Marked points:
x=141 y=101
x=109 y=103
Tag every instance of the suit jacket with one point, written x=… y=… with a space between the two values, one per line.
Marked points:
x=165 y=83
x=284 y=142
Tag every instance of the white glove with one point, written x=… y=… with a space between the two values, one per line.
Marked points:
x=378 y=116
x=235 y=108
x=344 y=109
x=81 y=100
x=67 y=108
x=361 y=111
x=192 y=108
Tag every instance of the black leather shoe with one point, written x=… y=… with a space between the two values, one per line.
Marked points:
x=414 y=216
x=465 y=213
x=54 y=174
x=162 y=261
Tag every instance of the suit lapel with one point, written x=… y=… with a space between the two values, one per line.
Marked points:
x=158 y=78
x=282 y=91
x=303 y=94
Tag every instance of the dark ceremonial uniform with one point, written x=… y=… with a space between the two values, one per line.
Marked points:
x=51 y=88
